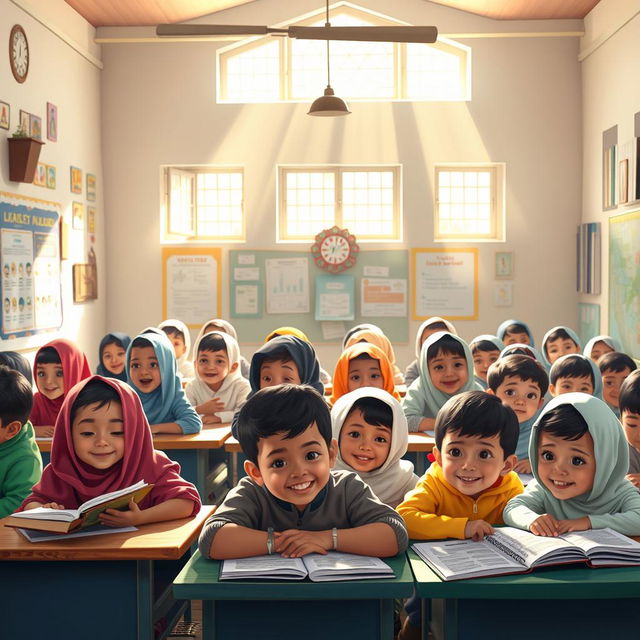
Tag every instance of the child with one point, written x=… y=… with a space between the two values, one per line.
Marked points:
x=360 y=327
x=372 y=436
x=614 y=368
x=446 y=369
x=427 y=328
x=58 y=366
x=218 y=324
x=17 y=361
x=103 y=444
x=362 y=365
x=485 y=350
x=557 y=342
x=600 y=345
x=291 y=502
x=382 y=342
x=521 y=383
x=523 y=350
x=178 y=332
x=112 y=356
x=579 y=458
x=151 y=366
x=20 y=461
x=218 y=390
x=515 y=331
x=575 y=372
x=630 y=418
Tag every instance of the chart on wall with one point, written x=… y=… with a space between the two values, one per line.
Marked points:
x=30 y=258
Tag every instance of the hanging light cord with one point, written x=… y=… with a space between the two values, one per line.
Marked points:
x=328 y=24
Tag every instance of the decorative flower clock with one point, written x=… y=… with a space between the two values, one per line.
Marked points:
x=335 y=250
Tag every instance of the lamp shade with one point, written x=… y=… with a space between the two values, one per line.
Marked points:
x=329 y=105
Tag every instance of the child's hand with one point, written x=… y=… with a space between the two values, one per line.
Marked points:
x=211 y=406
x=477 y=529
x=523 y=466
x=634 y=478
x=579 y=524
x=427 y=424
x=545 y=525
x=52 y=505
x=117 y=518
x=211 y=420
x=43 y=432
x=295 y=543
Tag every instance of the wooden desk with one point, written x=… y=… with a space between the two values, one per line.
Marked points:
x=354 y=609
x=233 y=448
x=102 y=587
x=420 y=443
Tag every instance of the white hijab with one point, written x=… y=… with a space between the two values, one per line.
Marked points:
x=426 y=324
x=184 y=364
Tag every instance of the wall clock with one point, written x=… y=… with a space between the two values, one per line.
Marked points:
x=335 y=250
x=19 y=53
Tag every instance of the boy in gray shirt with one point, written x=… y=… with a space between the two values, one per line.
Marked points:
x=629 y=400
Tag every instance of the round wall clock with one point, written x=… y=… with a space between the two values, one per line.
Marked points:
x=335 y=250
x=19 y=53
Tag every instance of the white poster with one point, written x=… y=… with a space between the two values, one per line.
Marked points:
x=246 y=299
x=17 y=280
x=383 y=297
x=287 y=285
x=46 y=270
x=191 y=288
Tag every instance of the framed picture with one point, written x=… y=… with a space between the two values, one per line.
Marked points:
x=77 y=216
x=91 y=187
x=76 y=180
x=504 y=265
x=52 y=122
x=25 y=121
x=503 y=294
x=35 y=127
x=91 y=219
x=85 y=282
x=5 y=115
x=40 y=177
x=51 y=176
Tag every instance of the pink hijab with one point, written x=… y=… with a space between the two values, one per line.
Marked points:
x=69 y=481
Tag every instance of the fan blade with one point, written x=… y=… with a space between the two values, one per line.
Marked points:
x=366 y=34
x=214 y=30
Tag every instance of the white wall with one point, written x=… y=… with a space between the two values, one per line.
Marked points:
x=159 y=108
x=58 y=73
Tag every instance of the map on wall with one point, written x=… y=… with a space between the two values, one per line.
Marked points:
x=624 y=281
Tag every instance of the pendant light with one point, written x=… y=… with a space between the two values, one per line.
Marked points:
x=328 y=104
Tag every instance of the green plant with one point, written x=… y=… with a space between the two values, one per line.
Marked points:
x=20 y=132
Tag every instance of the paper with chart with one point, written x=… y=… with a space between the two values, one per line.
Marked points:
x=287 y=285
x=191 y=288
x=384 y=297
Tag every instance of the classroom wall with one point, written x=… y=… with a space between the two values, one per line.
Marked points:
x=158 y=101
x=69 y=78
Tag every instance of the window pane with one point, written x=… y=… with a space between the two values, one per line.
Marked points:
x=367 y=205
x=310 y=203
x=253 y=75
x=434 y=74
x=219 y=204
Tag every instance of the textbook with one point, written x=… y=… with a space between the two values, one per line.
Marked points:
x=96 y=530
x=511 y=550
x=86 y=515
x=319 y=568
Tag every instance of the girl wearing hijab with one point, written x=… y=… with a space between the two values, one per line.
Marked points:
x=512 y=331
x=372 y=436
x=178 y=332
x=579 y=458
x=427 y=328
x=102 y=444
x=112 y=356
x=485 y=350
x=600 y=345
x=557 y=342
x=382 y=342
x=365 y=326
x=218 y=324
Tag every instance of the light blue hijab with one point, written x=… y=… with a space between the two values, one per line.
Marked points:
x=502 y=330
x=571 y=333
x=597 y=376
x=499 y=346
x=611 y=342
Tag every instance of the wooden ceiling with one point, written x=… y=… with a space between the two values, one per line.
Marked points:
x=101 y=13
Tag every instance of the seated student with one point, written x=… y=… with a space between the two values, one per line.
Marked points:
x=58 y=366
x=485 y=350
x=112 y=356
x=372 y=437
x=18 y=362
x=557 y=342
x=614 y=368
x=630 y=418
x=218 y=390
x=383 y=343
x=446 y=369
x=579 y=458
x=20 y=460
x=151 y=366
x=521 y=383
x=600 y=345
x=291 y=502
x=218 y=324
x=427 y=328
x=178 y=332
x=515 y=331
x=362 y=365
x=575 y=372
x=103 y=444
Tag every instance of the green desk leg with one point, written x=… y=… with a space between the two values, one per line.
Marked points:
x=386 y=618
x=208 y=619
x=144 y=570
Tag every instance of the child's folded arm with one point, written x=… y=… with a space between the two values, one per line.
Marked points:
x=185 y=415
x=522 y=510
x=627 y=520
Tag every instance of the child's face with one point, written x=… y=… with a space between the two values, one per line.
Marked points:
x=566 y=467
x=364 y=372
x=482 y=360
x=179 y=346
x=471 y=464
x=516 y=338
x=364 y=446
x=583 y=384
x=113 y=358
x=213 y=368
x=599 y=349
x=294 y=469
x=448 y=372
x=98 y=434
x=631 y=423
x=560 y=347
x=611 y=383
x=523 y=396
x=50 y=380
x=278 y=372
x=144 y=370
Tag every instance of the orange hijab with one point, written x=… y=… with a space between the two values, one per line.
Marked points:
x=382 y=342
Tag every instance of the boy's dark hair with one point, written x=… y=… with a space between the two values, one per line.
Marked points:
x=441 y=326
x=555 y=335
x=563 y=422
x=374 y=411
x=364 y=356
x=483 y=345
x=279 y=354
x=173 y=332
x=615 y=362
x=478 y=414
x=212 y=342
x=94 y=391
x=48 y=355
x=522 y=367
x=573 y=366
x=287 y=408
x=516 y=327
x=17 y=361
x=522 y=350
x=141 y=343
x=447 y=345
x=629 y=398
x=16 y=396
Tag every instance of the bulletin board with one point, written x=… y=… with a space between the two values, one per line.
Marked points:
x=375 y=274
x=30 y=284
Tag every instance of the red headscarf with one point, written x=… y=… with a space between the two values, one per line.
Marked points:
x=75 y=367
x=69 y=481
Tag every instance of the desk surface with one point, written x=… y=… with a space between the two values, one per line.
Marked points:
x=158 y=541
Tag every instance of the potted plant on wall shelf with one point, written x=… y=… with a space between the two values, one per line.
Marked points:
x=24 y=152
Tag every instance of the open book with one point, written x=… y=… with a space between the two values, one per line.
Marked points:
x=319 y=568
x=86 y=515
x=511 y=550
